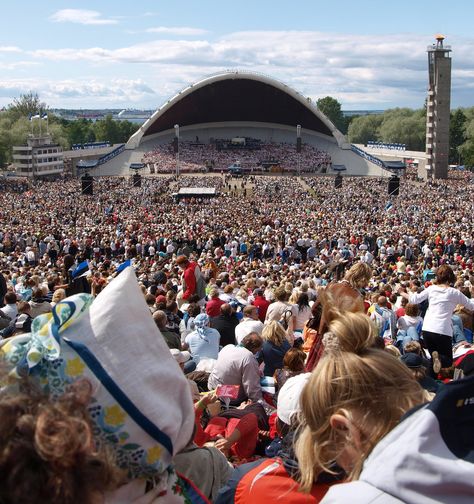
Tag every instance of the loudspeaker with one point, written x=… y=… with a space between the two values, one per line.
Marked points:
x=338 y=181
x=87 y=185
x=175 y=145
x=298 y=144
x=394 y=185
x=137 y=180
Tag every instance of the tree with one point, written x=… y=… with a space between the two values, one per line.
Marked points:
x=364 y=128
x=127 y=129
x=107 y=130
x=457 y=135
x=331 y=108
x=467 y=148
x=27 y=104
x=404 y=125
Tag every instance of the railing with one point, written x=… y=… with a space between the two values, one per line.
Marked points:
x=89 y=145
x=367 y=156
x=118 y=150
x=94 y=163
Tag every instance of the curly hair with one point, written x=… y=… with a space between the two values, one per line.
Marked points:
x=47 y=452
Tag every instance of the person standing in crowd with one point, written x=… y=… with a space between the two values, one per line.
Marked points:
x=437 y=327
x=193 y=282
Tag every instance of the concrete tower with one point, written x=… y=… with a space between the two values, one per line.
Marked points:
x=438 y=109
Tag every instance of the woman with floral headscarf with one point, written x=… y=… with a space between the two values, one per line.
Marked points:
x=88 y=339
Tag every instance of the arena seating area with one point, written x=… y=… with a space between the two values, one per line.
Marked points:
x=199 y=157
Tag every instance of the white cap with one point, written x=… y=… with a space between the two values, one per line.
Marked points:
x=289 y=397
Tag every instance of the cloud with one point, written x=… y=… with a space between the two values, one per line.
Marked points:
x=80 y=93
x=10 y=49
x=183 y=31
x=361 y=71
x=81 y=16
x=18 y=64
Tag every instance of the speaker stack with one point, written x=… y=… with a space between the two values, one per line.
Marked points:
x=137 y=180
x=338 y=181
x=394 y=185
x=87 y=185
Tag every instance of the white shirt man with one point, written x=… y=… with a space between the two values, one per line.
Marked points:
x=249 y=324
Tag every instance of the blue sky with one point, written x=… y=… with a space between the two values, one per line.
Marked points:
x=368 y=54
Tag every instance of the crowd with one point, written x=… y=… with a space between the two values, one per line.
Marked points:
x=198 y=157
x=289 y=340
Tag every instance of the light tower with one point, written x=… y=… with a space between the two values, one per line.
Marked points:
x=438 y=109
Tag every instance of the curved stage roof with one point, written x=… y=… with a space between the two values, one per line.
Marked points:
x=237 y=97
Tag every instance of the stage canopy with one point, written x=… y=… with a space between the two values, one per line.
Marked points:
x=196 y=192
x=394 y=165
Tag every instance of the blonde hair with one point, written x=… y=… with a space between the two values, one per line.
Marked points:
x=368 y=385
x=58 y=295
x=294 y=297
x=359 y=275
x=392 y=350
x=338 y=299
x=274 y=333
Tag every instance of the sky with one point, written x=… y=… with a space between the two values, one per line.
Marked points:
x=368 y=54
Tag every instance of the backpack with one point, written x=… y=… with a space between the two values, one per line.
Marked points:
x=200 y=283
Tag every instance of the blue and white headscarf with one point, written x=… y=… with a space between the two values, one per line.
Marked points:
x=201 y=322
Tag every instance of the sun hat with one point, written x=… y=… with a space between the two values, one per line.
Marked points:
x=289 y=397
x=91 y=339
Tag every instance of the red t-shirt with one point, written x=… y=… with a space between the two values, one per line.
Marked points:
x=213 y=307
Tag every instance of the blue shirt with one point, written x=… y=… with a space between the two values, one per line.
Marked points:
x=273 y=356
x=203 y=347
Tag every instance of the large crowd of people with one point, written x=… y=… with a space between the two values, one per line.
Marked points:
x=198 y=157
x=284 y=339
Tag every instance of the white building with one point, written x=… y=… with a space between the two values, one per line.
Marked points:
x=40 y=157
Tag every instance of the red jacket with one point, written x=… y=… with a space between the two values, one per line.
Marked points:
x=189 y=280
x=267 y=481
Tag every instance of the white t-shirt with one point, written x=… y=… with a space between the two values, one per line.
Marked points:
x=246 y=327
x=442 y=302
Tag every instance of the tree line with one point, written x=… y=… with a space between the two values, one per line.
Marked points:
x=406 y=126
x=15 y=126
x=399 y=125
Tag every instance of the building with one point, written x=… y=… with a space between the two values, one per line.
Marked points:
x=40 y=157
x=241 y=104
x=438 y=110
